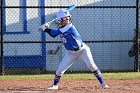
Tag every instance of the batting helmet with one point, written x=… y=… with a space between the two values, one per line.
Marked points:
x=62 y=13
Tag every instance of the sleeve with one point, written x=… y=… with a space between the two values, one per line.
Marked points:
x=52 y=32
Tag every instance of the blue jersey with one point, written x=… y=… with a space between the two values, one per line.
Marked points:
x=69 y=36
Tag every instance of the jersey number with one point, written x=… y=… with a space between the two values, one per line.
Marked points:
x=63 y=40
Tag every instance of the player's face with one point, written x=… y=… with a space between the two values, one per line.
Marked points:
x=65 y=20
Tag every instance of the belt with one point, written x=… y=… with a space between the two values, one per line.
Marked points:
x=76 y=49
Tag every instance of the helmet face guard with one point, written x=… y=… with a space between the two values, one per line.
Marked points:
x=61 y=20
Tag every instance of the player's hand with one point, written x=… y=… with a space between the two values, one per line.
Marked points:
x=44 y=26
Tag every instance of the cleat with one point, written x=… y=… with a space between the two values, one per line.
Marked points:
x=53 y=87
x=105 y=86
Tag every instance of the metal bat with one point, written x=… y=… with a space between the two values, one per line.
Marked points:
x=69 y=9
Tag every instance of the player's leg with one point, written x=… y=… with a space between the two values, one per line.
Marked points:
x=67 y=61
x=86 y=56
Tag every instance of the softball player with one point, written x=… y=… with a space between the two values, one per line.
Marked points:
x=75 y=47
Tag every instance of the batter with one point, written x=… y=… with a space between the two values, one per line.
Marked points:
x=75 y=47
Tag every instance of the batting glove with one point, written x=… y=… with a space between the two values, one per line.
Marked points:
x=44 y=26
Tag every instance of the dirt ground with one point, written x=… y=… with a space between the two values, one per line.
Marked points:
x=69 y=86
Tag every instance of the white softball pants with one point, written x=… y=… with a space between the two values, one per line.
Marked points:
x=84 y=53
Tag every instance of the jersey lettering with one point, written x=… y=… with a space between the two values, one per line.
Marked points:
x=63 y=40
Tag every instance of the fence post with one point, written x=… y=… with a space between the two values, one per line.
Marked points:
x=137 y=37
x=1 y=41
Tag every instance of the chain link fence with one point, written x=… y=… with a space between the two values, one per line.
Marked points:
x=107 y=26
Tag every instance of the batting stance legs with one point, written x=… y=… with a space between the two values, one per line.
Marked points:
x=85 y=54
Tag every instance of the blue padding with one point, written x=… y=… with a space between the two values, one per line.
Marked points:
x=24 y=61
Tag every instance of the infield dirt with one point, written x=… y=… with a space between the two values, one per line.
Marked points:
x=69 y=86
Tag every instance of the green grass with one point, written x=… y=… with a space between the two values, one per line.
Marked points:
x=87 y=76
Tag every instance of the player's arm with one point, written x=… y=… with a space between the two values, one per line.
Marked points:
x=51 y=32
